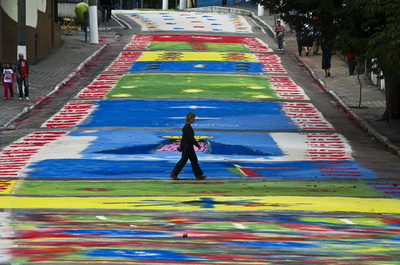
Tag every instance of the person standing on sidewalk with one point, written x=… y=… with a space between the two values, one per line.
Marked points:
x=22 y=69
x=280 y=32
x=351 y=61
x=8 y=79
x=105 y=6
x=187 y=150
x=326 y=60
x=299 y=42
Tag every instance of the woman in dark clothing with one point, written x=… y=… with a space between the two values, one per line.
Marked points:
x=187 y=149
x=299 y=42
x=326 y=60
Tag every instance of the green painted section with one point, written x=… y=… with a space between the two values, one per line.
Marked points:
x=243 y=225
x=342 y=221
x=193 y=86
x=193 y=187
x=180 y=45
x=106 y=218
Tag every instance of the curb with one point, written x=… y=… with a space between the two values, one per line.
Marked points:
x=363 y=123
x=56 y=88
x=121 y=22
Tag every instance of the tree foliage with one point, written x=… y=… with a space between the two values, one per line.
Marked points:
x=367 y=28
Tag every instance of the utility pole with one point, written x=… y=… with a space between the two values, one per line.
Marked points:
x=182 y=4
x=21 y=28
x=164 y=4
x=93 y=23
x=260 y=10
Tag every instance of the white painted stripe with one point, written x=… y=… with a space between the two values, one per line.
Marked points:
x=5 y=232
x=239 y=226
x=194 y=107
x=101 y=217
x=347 y=221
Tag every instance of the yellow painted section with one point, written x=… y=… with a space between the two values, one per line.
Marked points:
x=243 y=203
x=193 y=90
x=6 y=186
x=122 y=96
x=197 y=56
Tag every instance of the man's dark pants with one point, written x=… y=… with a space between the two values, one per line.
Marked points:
x=188 y=153
x=26 y=86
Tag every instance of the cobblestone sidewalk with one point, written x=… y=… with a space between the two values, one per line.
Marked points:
x=53 y=68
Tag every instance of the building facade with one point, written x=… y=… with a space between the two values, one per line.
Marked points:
x=42 y=31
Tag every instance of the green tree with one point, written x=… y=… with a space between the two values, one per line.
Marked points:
x=367 y=28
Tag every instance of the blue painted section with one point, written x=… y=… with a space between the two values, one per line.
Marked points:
x=211 y=114
x=306 y=169
x=252 y=145
x=95 y=168
x=272 y=244
x=196 y=66
x=141 y=254
x=131 y=154
x=205 y=3
x=391 y=192
x=392 y=189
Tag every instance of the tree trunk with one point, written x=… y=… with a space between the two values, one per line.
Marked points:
x=392 y=91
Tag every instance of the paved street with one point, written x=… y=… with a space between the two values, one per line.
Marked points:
x=291 y=177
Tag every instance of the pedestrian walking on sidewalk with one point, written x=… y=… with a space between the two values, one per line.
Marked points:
x=307 y=42
x=280 y=33
x=187 y=150
x=307 y=39
x=8 y=80
x=326 y=60
x=352 y=62
x=22 y=69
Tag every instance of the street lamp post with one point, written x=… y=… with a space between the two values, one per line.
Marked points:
x=21 y=28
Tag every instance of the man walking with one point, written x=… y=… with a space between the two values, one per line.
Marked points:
x=22 y=69
x=187 y=149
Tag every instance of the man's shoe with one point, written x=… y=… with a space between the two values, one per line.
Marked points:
x=201 y=177
x=20 y=98
x=26 y=98
x=173 y=177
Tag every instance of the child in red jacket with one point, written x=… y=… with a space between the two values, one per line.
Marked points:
x=8 y=79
